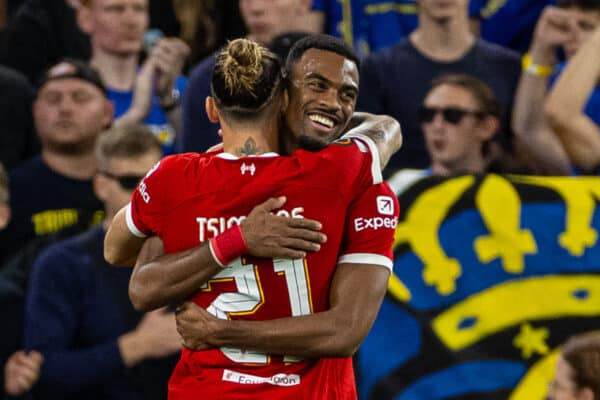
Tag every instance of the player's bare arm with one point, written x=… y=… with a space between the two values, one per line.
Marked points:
x=356 y=294
x=168 y=279
x=121 y=247
x=384 y=130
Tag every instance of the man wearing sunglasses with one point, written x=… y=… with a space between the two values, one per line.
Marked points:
x=78 y=314
x=459 y=117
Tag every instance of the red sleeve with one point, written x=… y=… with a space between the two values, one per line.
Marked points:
x=370 y=227
x=147 y=208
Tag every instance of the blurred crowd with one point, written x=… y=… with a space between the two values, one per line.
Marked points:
x=94 y=92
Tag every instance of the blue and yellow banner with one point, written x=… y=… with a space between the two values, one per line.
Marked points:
x=491 y=274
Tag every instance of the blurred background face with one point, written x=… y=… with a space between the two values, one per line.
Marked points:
x=443 y=10
x=109 y=188
x=451 y=144
x=322 y=96
x=266 y=19
x=563 y=387
x=69 y=113
x=582 y=27
x=116 y=26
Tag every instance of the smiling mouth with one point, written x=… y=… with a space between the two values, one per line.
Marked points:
x=322 y=121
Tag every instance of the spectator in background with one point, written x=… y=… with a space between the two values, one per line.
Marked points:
x=53 y=191
x=367 y=27
x=578 y=369
x=395 y=80
x=560 y=28
x=508 y=23
x=265 y=21
x=40 y=34
x=21 y=372
x=78 y=314
x=459 y=117
x=573 y=106
x=20 y=368
x=17 y=141
x=206 y=25
x=150 y=93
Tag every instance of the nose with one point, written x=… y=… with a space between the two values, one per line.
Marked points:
x=330 y=100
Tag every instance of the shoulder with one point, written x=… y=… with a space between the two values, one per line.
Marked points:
x=497 y=52
x=390 y=55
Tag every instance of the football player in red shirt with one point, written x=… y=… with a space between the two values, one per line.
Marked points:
x=334 y=186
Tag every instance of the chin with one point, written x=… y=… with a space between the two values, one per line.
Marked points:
x=310 y=143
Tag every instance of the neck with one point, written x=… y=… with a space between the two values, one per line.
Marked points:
x=446 y=40
x=80 y=166
x=250 y=141
x=473 y=165
x=118 y=72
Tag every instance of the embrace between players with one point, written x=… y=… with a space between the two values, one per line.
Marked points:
x=279 y=264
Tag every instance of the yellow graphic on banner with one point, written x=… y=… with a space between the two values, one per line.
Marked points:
x=493 y=310
x=531 y=341
x=534 y=386
x=421 y=230
x=500 y=207
x=580 y=195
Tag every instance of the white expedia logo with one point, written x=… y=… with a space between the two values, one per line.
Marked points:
x=248 y=168
x=385 y=205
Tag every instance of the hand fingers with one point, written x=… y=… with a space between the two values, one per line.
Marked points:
x=272 y=203
x=299 y=244
x=303 y=223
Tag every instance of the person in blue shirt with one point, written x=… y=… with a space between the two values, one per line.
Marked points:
x=564 y=28
x=151 y=93
x=573 y=106
x=368 y=25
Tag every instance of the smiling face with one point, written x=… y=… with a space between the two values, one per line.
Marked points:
x=322 y=96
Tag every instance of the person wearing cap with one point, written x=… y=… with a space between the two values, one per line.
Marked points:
x=53 y=190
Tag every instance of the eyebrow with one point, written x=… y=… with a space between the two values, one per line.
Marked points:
x=315 y=75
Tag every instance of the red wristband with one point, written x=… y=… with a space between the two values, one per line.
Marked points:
x=228 y=246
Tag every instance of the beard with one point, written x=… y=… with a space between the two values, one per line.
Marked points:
x=309 y=143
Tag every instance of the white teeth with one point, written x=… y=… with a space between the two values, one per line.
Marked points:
x=322 y=120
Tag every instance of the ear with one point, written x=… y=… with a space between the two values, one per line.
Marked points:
x=489 y=127
x=85 y=19
x=101 y=187
x=211 y=110
x=4 y=215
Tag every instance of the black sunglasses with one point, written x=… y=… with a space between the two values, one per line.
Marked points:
x=452 y=115
x=127 y=182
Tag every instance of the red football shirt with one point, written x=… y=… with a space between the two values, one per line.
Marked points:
x=189 y=198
